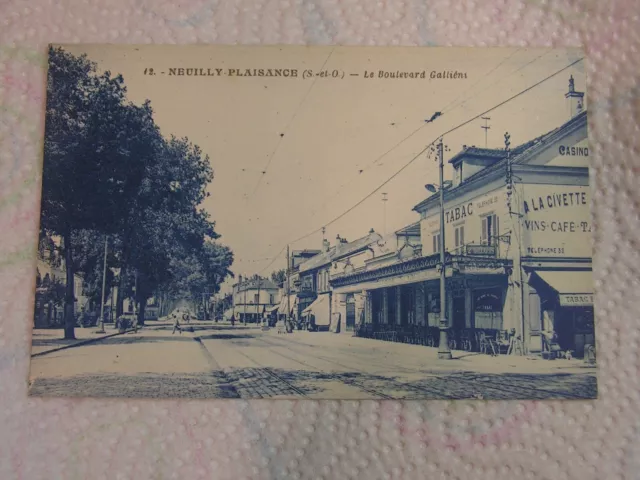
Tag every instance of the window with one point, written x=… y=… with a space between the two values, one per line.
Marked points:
x=490 y=229
x=256 y=298
x=436 y=242
x=459 y=236
x=272 y=299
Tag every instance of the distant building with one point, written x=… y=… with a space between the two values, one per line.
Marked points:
x=314 y=294
x=253 y=298
x=49 y=307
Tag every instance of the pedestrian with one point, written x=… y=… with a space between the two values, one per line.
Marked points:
x=233 y=320
x=176 y=325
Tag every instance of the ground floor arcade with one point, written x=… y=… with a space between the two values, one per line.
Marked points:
x=487 y=308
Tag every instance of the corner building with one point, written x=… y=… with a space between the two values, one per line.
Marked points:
x=518 y=252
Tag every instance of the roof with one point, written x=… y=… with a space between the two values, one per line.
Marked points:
x=495 y=153
x=324 y=258
x=340 y=250
x=254 y=284
x=305 y=252
x=517 y=154
x=413 y=229
x=345 y=249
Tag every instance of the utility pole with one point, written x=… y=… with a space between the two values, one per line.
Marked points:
x=258 y=306
x=288 y=288
x=384 y=214
x=244 y=319
x=104 y=282
x=444 y=352
x=517 y=232
x=486 y=128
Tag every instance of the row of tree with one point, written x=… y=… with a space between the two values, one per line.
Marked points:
x=109 y=174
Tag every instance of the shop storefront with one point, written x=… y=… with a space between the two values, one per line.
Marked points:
x=410 y=311
x=565 y=308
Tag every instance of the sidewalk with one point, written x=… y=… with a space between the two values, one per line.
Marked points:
x=45 y=340
x=426 y=358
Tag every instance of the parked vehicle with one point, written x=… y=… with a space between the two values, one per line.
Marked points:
x=126 y=321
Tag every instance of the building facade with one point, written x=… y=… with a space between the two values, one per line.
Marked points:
x=517 y=247
x=319 y=308
x=253 y=298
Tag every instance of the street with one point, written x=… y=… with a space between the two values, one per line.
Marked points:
x=221 y=361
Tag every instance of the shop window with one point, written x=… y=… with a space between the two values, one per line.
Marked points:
x=488 y=308
x=436 y=242
x=459 y=236
x=433 y=309
x=490 y=229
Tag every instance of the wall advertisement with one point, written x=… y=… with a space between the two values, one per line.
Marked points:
x=468 y=213
x=556 y=221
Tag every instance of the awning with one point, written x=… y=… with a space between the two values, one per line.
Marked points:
x=320 y=310
x=273 y=308
x=249 y=309
x=228 y=314
x=575 y=288
x=293 y=301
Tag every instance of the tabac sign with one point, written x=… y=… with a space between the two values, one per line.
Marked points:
x=556 y=221
x=576 y=300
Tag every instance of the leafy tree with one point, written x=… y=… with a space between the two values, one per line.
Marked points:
x=170 y=242
x=109 y=172
x=279 y=277
x=94 y=153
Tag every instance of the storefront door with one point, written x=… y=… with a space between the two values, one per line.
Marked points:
x=351 y=313
x=458 y=311
x=575 y=329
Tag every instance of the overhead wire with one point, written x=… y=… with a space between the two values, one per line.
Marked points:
x=449 y=107
x=415 y=157
x=286 y=130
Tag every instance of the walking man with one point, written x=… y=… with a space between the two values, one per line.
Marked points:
x=176 y=325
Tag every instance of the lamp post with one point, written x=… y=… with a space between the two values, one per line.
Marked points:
x=444 y=352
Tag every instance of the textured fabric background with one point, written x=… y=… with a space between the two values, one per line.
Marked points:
x=73 y=439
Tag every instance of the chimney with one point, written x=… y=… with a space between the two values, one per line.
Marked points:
x=372 y=231
x=575 y=100
x=325 y=245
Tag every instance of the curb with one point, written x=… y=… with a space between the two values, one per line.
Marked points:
x=80 y=343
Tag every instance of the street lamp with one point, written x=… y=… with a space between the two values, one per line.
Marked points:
x=444 y=352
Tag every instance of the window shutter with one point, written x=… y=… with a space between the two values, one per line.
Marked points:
x=484 y=229
x=457 y=237
x=462 y=236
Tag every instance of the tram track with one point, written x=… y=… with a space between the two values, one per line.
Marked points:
x=214 y=364
x=332 y=375
x=462 y=384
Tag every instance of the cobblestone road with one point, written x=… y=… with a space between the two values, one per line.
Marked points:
x=224 y=362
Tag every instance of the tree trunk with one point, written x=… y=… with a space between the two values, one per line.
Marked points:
x=69 y=294
x=121 y=288
x=142 y=306
x=141 y=309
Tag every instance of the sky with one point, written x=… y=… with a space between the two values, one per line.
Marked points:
x=291 y=154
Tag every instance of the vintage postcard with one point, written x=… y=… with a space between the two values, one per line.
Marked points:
x=315 y=222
